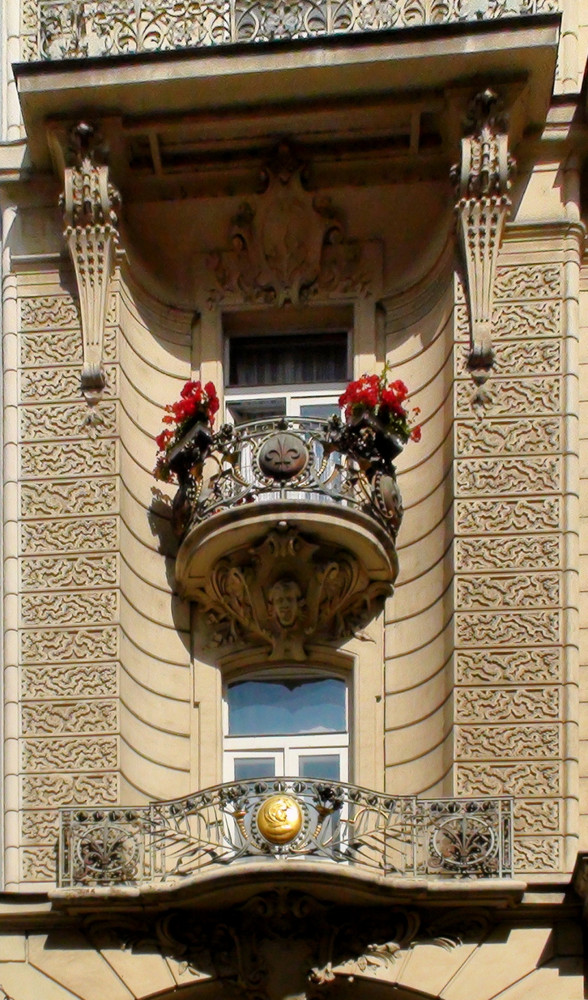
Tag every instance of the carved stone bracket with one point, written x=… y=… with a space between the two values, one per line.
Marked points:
x=482 y=181
x=289 y=245
x=287 y=591
x=286 y=944
x=90 y=203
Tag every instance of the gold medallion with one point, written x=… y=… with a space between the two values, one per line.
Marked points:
x=279 y=819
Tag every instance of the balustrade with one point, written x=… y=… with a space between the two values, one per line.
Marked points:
x=292 y=459
x=286 y=819
x=80 y=28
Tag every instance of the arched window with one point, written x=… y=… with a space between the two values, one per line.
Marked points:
x=286 y=725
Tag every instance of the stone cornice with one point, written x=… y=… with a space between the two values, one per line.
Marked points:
x=534 y=228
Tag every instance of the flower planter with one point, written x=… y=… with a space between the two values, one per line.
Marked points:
x=193 y=446
x=387 y=443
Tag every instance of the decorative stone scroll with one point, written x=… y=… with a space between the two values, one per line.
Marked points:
x=482 y=181
x=287 y=591
x=287 y=944
x=288 y=246
x=90 y=203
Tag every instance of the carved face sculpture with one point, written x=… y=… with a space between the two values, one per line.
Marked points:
x=285 y=601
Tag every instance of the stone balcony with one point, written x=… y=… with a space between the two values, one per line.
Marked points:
x=92 y=28
x=170 y=86
x=288 y=530
x=248 y=824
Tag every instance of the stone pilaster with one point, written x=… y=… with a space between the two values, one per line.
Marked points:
x=509 y=558
x=69 y=575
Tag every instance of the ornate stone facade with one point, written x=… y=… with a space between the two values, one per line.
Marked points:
x=69 y=578
x=499 y=541
x=249 y=178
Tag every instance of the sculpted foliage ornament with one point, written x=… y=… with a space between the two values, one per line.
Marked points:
x=90 y=203
x=482 y=181
x=287 y=245
x=285 y=943
x=285 y=592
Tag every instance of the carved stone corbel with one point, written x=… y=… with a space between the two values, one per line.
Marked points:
x=285 y=592
x=482 y=181
x=90 y=203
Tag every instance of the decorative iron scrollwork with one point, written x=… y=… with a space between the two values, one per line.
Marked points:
x=275 y=459
x=106 y=852
x=167 y=841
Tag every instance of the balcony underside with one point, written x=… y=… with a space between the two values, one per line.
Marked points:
x=289 y=529
x=328 y=523
x=281 y=575
x=189 y=96
x=325 y=881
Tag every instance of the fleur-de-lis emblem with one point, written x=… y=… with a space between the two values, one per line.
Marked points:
x=283 y=456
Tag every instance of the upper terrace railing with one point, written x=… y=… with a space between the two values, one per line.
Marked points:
x=80 y=28
x=286 y=819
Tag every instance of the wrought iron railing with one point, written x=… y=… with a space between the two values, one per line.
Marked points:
x=286 y=819
x=80 y=28
x=296 y=459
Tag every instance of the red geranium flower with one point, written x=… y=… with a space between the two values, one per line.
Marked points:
x=385 y=400
x=196 y=401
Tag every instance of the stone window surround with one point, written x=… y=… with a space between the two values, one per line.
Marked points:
x=363 y=660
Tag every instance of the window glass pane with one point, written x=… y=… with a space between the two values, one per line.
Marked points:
x=258 y=708
x=247 y=768
x=288 y=360
x=326 y=766
x=244 y=410
x=320 y=410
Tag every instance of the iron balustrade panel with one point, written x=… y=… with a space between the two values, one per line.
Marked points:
x=286 y=819
x=465 y=837
x=81 y=28
x=249 y=469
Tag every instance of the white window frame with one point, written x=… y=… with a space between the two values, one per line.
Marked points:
x=295 y=398
x=295 y=395
x=288 y=748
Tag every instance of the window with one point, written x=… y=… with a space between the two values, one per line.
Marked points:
x=294 y=726
x=294 y=374
x=284 y=360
